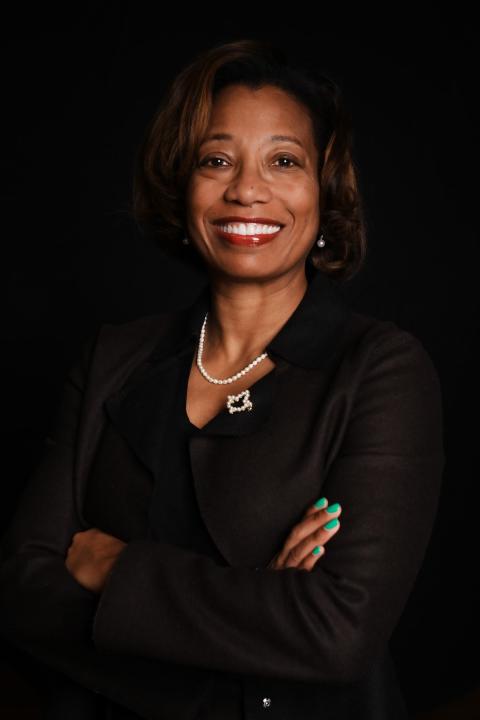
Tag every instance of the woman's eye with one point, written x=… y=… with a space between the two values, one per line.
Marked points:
x=289 y=159
x=209 y=159
x=205 y=162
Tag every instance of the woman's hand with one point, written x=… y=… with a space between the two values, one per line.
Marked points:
x=91 y=557
x=308 y=534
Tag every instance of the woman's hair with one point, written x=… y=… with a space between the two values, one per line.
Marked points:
x=168 y=152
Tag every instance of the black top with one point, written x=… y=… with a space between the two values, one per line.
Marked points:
x=174 y=513
x=175 y=518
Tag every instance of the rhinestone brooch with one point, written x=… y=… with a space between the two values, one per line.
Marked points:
x=247 y=403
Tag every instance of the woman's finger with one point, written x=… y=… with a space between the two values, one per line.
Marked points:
x=316 y=528
x=311 y=558
x=306 y=540
x=302 y=550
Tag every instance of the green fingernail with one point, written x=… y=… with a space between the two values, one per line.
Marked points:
x=321 y=503
x=330 y=525
x=316 y=550
x=333 y=508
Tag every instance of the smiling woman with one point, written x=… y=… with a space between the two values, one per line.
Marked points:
x=241 y=108
x=250 y=174
x=178 y=552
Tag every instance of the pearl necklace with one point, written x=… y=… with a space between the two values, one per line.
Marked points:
x=247 y=405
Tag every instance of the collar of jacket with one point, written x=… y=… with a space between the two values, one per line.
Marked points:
x=140 y=408
x=307 y=339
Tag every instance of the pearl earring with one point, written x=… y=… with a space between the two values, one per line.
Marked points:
x=185 y=240
x=321 y=241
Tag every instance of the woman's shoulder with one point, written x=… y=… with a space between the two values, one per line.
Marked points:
x=118 y=347
x=371 y=331
x=383 y=343
x=144 y=331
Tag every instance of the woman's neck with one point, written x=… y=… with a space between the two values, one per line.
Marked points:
x=245 y=316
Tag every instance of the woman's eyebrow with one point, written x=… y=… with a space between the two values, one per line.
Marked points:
x=286 y=138
x=272 y=138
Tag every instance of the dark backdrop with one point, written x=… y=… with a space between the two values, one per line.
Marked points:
x=78 y=92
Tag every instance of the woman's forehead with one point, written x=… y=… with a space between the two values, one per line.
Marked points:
x=268 y=112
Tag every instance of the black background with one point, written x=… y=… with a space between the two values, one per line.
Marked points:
x=78 y=90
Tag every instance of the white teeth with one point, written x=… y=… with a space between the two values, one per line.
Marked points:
x=250 y=229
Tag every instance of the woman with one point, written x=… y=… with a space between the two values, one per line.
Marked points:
x=167 y=552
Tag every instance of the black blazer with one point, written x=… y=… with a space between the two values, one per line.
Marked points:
x=352 y=410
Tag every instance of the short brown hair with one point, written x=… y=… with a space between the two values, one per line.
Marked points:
x=168 y=152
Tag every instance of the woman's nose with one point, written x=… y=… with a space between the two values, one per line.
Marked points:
x=248 y=186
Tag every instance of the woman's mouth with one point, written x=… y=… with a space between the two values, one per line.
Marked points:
x=249 y=234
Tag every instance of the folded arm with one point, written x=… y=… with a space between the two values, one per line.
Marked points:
x=44 y=611
x=328 y=625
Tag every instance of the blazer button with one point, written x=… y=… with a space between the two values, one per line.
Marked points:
x=266 y=702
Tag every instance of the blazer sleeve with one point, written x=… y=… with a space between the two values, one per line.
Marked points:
x=44 y=611
x=330 y=624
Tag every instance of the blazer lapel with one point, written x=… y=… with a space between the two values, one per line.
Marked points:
x=140 y=412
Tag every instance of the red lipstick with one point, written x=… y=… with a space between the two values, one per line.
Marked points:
x=246 y=240
x=244 y=219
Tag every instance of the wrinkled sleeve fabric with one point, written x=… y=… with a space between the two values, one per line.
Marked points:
x=44 y=611
x=328 y=625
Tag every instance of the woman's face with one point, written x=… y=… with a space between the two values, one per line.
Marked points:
x=251 y=174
